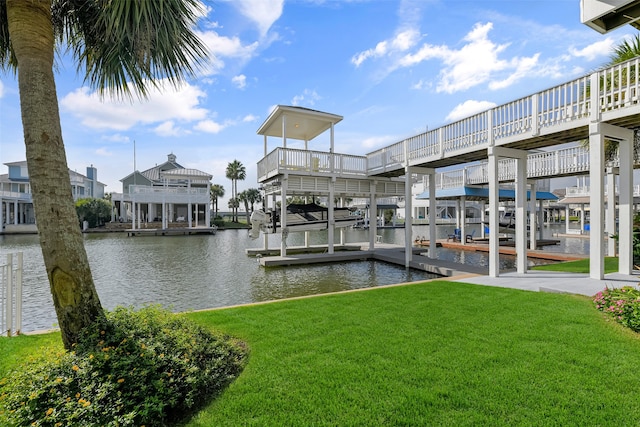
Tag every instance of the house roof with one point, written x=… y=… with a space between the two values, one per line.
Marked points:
x=481 y=193
x=299 y=122
x=186 y=174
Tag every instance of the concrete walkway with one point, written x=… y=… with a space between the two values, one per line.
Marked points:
x=552 y=281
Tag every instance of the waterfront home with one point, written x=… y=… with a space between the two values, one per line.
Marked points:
x=166 y=193
x=16 y=204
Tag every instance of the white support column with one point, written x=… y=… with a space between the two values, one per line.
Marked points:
x=521 y=215
x=265 y=206
x=331 y=226
x=533 y=218
x=16 y=213
x=463 y=220
x=596 y=181
x=408 y=227
x=432 y=215
x=207 y=216
x=1 y=215
x=190 y=213
x=373 y=216
x=283 y=216
x=494 y=238
x=566 y=218
x=582 y=216
x=625 y=260
x=483 y=220
x=610 y=216
x=284 y=131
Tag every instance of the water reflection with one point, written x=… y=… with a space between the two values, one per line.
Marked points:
x=190 y=272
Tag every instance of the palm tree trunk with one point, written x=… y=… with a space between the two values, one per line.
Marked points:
x=74 y=295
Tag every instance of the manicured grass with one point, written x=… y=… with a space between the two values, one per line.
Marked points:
x=579 y=266
x=438 y=353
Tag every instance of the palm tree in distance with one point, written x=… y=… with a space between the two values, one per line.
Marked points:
x=118 y=54
x=235 y=172
x=216 y=191
x=253 y=196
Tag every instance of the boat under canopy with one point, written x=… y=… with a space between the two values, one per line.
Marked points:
x=301 y=217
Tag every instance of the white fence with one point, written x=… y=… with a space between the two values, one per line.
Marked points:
x=11 y=295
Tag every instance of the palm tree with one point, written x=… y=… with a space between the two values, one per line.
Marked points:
x=115 y=42
x=216 y=191
x=253 y=196
x=235 y=172
x=244 y=198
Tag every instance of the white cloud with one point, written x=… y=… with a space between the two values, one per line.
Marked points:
x=210 y=126
x=401 y=42
x=116 y=138
x=103 y=152
x=262 y=12
x=598 y=49
x=163 y=104
x=220 y=47
x=307 y=97
x=249 y=118
x=240 y=81
x=378 y=141
x=469 y=108
x=167 y=129
x=477 y=61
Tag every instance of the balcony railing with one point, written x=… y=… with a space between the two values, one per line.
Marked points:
x=562 y=107
x=298 y=161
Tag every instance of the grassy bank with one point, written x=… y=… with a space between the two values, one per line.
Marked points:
x=579 y=266
x=438 y=353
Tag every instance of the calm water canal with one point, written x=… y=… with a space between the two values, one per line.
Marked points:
x=196 y=272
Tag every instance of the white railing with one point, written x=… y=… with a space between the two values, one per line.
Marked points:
x=585 y=191
x=282 y=160
x=11 y=295
x=567 y=161
x=561 y=107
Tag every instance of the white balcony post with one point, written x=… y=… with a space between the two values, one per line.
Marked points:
x=521 y=218
x=533 y=223
x=373 y=216
x=610 y=216
x=494 y=238
x=331 y=225
x=596 y=179
x=432 y=215
x=283 y=217
x=625 y=189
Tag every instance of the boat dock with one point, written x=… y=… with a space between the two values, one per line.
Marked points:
x=395 y=254
x=173 y=231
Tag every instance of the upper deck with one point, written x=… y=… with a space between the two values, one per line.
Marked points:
x=554 y=116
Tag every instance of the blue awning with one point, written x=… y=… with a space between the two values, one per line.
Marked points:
x=480 y=193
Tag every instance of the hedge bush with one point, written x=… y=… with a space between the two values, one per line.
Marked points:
x=147 y=367
x=621 y=304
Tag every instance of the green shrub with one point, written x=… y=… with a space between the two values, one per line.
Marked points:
x=148 y=367
x=622 y=304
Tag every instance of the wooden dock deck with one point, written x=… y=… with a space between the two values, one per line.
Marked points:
x=173 y=231
x=393 y=254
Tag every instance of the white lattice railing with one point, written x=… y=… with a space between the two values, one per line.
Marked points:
x=559 y=107
x=11 y=295
x=282 y=160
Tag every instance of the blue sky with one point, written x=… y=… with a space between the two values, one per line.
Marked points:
x=391 y=68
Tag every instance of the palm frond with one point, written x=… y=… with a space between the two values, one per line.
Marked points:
x=117 y=42
x=7 y=58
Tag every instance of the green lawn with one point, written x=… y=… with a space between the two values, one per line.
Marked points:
x=438 y=354
x=579 y=266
